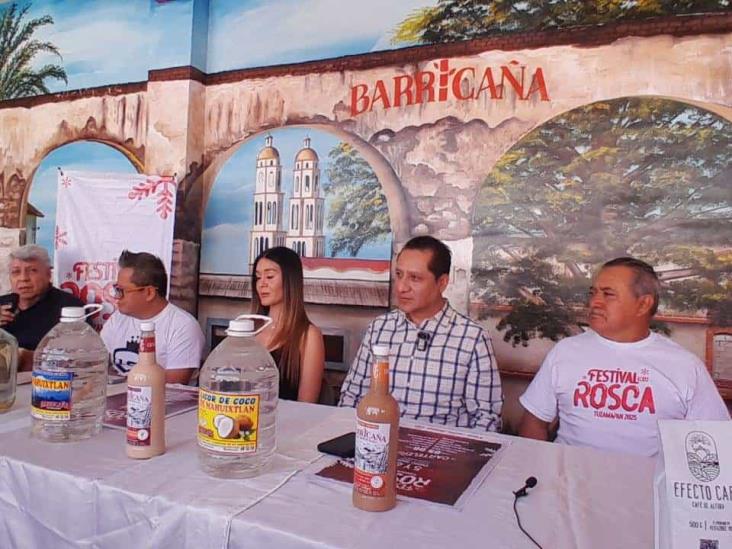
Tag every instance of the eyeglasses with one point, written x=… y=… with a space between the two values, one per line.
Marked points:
x=118 y=292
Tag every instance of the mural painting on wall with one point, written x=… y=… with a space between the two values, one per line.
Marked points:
x=646 y=177
x=303 y=189
x=455 y=20
x=73 y=45
x=50 y=46
x=20 y=75
x=527 y=278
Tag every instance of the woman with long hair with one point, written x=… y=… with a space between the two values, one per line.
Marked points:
x=294 y=342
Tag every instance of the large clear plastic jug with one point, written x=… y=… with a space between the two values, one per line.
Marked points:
x=8 y=370
x=69 y=379
x=237 y=406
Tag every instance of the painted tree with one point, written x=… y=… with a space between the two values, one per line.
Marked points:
x=455 y=20
x=18 y=49
x=358 y=211
x=645 y=177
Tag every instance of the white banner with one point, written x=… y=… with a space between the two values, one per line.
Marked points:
x=100 y=214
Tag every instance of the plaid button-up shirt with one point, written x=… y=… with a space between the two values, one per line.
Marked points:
x=446 y=375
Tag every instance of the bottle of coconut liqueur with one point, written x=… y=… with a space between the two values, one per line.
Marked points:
x=146 y=401
x=237 y=404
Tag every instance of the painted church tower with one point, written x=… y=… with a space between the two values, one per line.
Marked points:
x=307 y=206
x=267 y=229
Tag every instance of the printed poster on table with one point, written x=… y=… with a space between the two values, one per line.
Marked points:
x=693 y=485
x=433 y=464
x=178 y=400
x=100 y=214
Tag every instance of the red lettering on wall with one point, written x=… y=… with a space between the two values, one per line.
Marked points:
x=425 y=81
x=403 y=86
x=442 y=83
x=360 y=102
x=457 y=84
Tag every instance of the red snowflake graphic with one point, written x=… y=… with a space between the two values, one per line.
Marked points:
x=60 y=239
x=162 y=188
x=66 y=181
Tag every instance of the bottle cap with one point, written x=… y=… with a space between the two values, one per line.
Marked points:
x=72 y=314
x=380 y=350
x=240 y=327
x=147 y=326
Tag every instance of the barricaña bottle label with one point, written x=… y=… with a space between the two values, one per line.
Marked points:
x=372 y=458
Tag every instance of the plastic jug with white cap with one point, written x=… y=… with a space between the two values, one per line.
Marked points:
x=237 y=406
x=69 y=386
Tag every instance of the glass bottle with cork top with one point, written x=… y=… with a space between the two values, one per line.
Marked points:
x=146 y=400
x=377 y=440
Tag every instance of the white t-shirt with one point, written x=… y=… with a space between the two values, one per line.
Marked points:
x=610 y=395
x=179 y=340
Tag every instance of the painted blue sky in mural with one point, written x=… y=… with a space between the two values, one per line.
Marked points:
x=109 y=42
x=250 y=33
x=227 y=221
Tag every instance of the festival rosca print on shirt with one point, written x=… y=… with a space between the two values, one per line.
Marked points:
x=615 y=394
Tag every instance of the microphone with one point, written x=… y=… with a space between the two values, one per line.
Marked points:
x=530 y=483
x=423 y=340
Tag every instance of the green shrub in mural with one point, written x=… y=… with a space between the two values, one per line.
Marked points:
x=358 y=212
x=455 y=20
x=18 y=49
x=645 y=177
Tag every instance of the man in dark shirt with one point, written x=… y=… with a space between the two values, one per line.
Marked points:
x=38 y=303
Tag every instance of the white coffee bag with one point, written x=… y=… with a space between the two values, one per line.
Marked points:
x=693 y=485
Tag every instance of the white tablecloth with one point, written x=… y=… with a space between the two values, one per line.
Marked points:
x=88 y=494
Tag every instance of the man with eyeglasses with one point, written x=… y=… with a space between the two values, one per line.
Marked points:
x=34 y=306
x=140 y=292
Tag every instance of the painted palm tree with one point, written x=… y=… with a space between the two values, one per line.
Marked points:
x=18 y=49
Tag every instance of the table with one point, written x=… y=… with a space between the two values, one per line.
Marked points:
x=88 y=494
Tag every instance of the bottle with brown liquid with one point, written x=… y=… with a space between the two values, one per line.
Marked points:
x=377 y=439
x=146 y=400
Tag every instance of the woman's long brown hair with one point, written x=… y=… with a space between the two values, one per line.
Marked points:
x=294 y=322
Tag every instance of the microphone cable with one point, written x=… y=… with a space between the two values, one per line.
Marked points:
x=530 y=483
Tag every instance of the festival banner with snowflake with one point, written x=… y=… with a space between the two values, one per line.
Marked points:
x=100 y=214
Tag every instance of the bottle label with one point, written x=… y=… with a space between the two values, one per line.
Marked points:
x=147 y=344
x=139 y=415
x=372 y=458
x=51 y=395
x=228 y=422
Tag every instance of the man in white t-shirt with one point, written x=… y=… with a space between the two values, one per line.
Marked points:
x=611 y=384
x=140 y=292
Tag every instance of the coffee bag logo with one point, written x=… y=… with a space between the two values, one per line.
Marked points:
x=701 y=456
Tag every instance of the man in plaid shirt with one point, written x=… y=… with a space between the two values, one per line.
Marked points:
x=442 y=366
